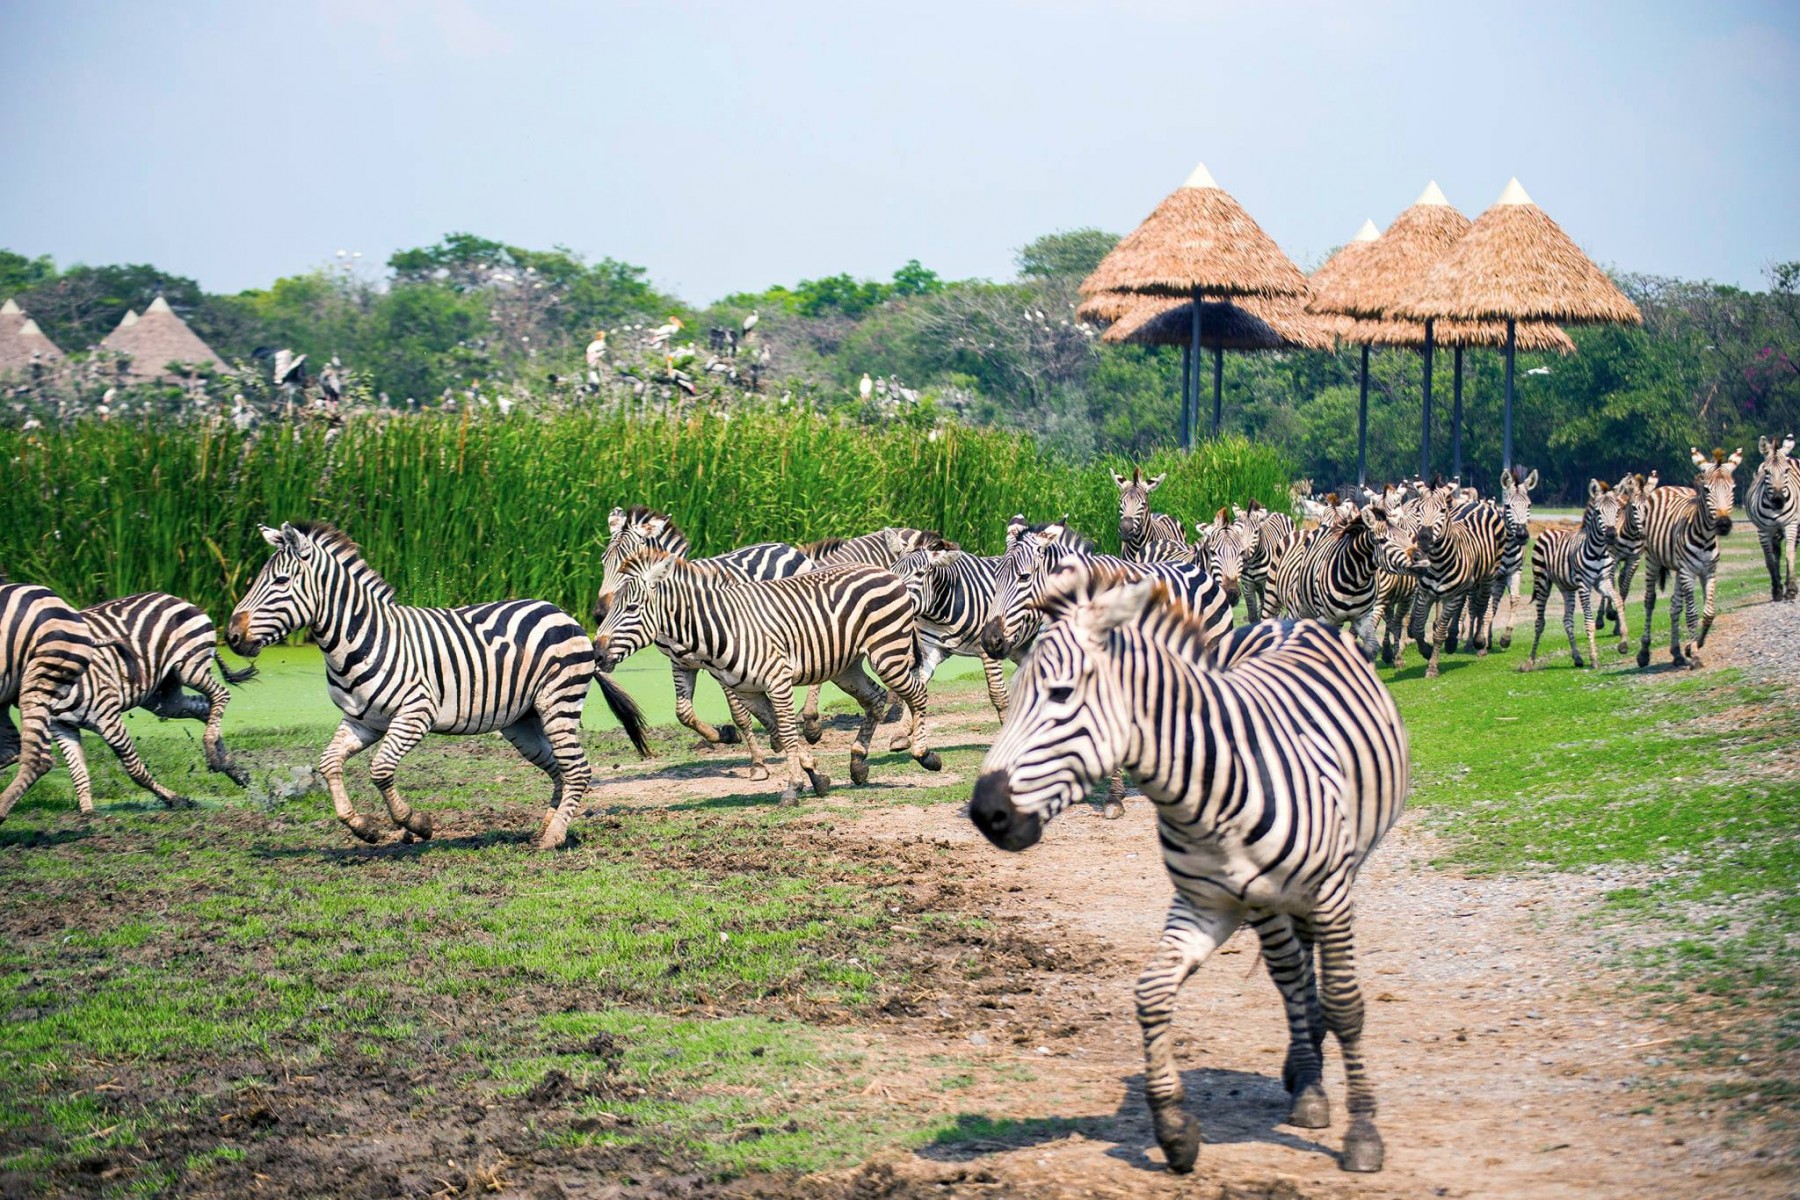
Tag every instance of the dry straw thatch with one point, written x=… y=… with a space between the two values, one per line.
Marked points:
x=21 y=341
x=156 y=339
x=1247 y=323
x=1373 y=282
x=1515 y=262
x=1533 y=336
x=1199 y=238
x=1344 y=265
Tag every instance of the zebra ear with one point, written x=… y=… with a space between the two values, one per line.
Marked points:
x=1120 y=480
x=293 y=539
x=1787 y=444
x=1150 y=485
x=615 y=520
x=1736 y=460
x=273 y=536
x=655 y=525
x=1595 y=487
x=1530 y=481
x=1700 y=460
x=654 y=573
x=1121 y=605
x=1765 y=446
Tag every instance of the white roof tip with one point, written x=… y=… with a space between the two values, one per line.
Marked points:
x=1200 y=178
x=11 y=307
x=1514 y=194
x=30 y=329
x=129 y=319
x=159 y=305
x=1432 y=195
x=1367 y=233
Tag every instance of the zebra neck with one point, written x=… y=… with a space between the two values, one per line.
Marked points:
x=353 y=618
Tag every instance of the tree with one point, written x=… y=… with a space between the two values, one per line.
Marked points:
x=1072 y=253
x=83 y=304
x=21 y=274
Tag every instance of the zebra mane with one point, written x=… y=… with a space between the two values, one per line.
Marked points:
x=646 y=555
x=639 y=513
x=1068 y=539
x=1163 y=615
x=822 y=546
x=342 y=546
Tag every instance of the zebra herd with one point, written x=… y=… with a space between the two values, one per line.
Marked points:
x=1274 y=755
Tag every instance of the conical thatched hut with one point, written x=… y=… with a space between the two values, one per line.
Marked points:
x=1516 y=264
x=155 y=340
x=22 y=343
x=1198 y=242
x=1246 y=323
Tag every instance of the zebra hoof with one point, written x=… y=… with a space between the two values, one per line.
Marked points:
x=758 y=772
x=234 y=773
x=899 y=743
x=821 y=783
x=1693 y=661
x=859 y=769
x=1431 y=672
x=1624 y=647
x=1179 y=1136
x=728 y=735
x=366 y=830
x=1362 y=1147
x=1643 y=656
x=419 y=825
x=1311 y=1110
x=177 y=802
x=930 y=761
x=789 y=797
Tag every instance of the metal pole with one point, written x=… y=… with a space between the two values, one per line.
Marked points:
x=1425 y=412
x=1187 y=383
x=1218 y=384
x=1187 y=439
x=1456 y=421
x=1506 y=435
x=1362 y=422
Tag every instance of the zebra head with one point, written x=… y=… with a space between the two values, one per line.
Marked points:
x=1134 y=505
x=636 y=611
x=1714 y=485
x=1069 y=723
x=1515 y=499
x=1436 y=500
x=288 y=593
x=1777 y=470
x=1226 y=543
x=1034 y=552
x=1605 y=513
x=1397 y=545
x=630 y=530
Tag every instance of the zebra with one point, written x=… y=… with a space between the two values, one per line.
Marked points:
x=1459 y=549
x=146 y=648
x=1276 y=760
x=1224 y=547
x=46 y=647
x=1773 y=504
x=1275 y=533
x=954 y=591
x=1137 y=524
x=632 y=529
x=1396 y=576
x=521 y=667
x=1682 y=528
x=1331 y=576
x=1515 y=509
x=762 y=639
x=1579 y=564
x=1628 y=548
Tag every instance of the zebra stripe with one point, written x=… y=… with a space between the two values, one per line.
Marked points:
x=519 y=666
x=1460 y=550
x=761 y=639
x=1773 y=504
x=1579 y=564
x=45 y=648
x=1682 y=527
x=1275 y=535
x=954 y=592
x=1330 y=577
x=1515 y=509
x=1139 y=526
x=1276 y=760
x=147 y=647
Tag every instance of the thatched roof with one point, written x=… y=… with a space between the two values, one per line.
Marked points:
x=21 y=341
x=129 y=319
x=155 y=340
x=1344 y=264
x=1532 y=336
x=1515 y=262
x=1375 y=281
x=1199 y=237
x=1246 y=323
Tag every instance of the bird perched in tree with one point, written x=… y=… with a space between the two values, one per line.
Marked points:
x=662 y=333
x=596 y=351
x=331 y=381
x=866 y=386
x=288 y=369
x=750 y=321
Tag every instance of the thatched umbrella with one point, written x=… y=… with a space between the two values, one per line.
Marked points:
x=1198 y=242
x=1516 y=264
x=1330 y=279
x=156 y=339
x=22 y=343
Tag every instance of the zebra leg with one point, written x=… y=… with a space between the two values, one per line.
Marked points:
x=1650 y=578
x=1587 y=621
x=9 y=738
x=995 y=675
x=905 y=684
x=1771 y=561
x=1611 y=596
x=404 y=732
x=351 y=738
x=810 y=727
x=111 y=728
x=1710 y=608
x=790 y=743
x=1450 y=610
x=1289 y=960
x=1540 y=599
x=1115 y=795
x=1253 y=599
x=31 y=747
x=527 y=737
x=685 y=678
x=1681 y=599
x=741 y=715
x=1189 y=937
x=873 y=698
x=68 y=740
x=1568 y=597
x=1363 y=629
x=562 y=729
x=1342 y=1002
x=199 y=676
x=1792 y=535
x=1622 y=593
x=1419 y=625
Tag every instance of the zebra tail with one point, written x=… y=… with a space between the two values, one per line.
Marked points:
x=235 y=677
x=626 y=711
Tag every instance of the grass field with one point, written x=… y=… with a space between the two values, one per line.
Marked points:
x=683 y=990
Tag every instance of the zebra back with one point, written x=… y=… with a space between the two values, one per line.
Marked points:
x=140 y=640
x=878 y=549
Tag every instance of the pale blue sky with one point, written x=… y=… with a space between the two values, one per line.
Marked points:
x=732 y=146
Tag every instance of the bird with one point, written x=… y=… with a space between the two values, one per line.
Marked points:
x=663 y=333
x=750 y=321
x=596 y=351
x=241 y=416
x=866 y=386
x=331 y=382
x=1538 y=371
x=290 y=370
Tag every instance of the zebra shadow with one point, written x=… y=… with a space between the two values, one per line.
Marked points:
x=25 y=838
x=1231 y=1106
x=349 y=855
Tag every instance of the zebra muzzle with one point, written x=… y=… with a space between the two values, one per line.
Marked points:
x=993 y=639
x=1000 y=822
x=237 y=636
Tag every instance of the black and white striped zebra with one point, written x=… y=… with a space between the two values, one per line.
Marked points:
x=1137 y=524
x=147 y=648
x=1396 y=577
x=45 y=648
x=764 y=639
x=634 y=528
x=1628 y=551
x=1579 y=564
x=1459 y=548
x=521 y=667
x=1223 y=548
x=1772 y=502
x=1276 y=760
x=1275 y=533
x=954 y=591
x=1330 y=576
x=1515 y=510
x=1682 y=528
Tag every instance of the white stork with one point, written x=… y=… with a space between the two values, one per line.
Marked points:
x=866 y=386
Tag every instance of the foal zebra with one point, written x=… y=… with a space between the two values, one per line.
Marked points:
x=1275 y=533
x=1138 y=526
x=954 y=591
x=634 y=528
x=1773 y=503
x=1628 y=550
x=1223 y=548
x=146 y=648
x=761 y=639
x=45 y=648
x=1330 y=576
x=518 y=666
x=1682 y=528
x=1578 y=564
x=1276 y=760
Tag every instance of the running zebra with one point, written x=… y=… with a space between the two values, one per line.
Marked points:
x=146 y=648
x=1682 y=528
x=1223 y=548
x=1276 y=760
x=1138 y=526
x=1578 y=563
x=634 y=528
x=1330 y=576
x=1275 y=533
x=1396 y=578
x=954 y=591
x=45 y=648
x=761 y=639
x=1459 y=551
x=1773 y=503
x=1515 y=509
x=398 y=673
x=1628 y=548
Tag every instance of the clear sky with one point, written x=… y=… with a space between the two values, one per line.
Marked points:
x=730 y=146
